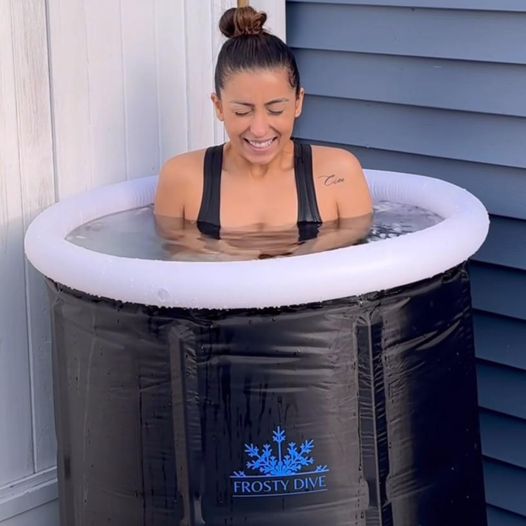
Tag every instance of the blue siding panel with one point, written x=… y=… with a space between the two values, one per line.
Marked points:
x=505 y=487
x=479 y=86
x=502 y=390
x=499 y=517
x=503 y=438
x=505 y=244
x=471 y=35
x=438 y=87
x=499 y=290
x=501 y=189
x=500 y=339
x=483 y=5
x=449 y=134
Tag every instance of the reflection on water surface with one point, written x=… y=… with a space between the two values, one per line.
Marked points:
x=136 y=234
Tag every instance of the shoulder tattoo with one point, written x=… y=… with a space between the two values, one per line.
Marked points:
x=330 y=180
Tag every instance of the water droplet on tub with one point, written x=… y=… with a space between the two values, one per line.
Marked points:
x=163 y=295
x=95 y=226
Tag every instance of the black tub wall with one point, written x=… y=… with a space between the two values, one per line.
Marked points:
x=113 y=414
x=384 y=384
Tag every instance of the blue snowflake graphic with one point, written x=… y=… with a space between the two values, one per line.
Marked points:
x=265 y=461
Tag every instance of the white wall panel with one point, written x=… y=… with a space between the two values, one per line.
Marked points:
x=171 y=75
x=104 y=66
x=141 y=118
x=188 y=41
x=37 y=193
x=218 y=8
x=199 y=77
x=131 y=85
x=31 y=492
x=70 y=90
x=275 y=10
x=16 y=444
x=45 y=515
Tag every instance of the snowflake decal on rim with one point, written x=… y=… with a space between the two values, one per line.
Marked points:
x=288 y=462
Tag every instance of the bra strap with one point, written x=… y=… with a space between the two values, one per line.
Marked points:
x=307 y=204
x=208 y=220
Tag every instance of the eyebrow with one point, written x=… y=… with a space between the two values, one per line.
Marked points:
x=275 y=101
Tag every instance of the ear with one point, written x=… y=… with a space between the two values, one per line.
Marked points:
x=218 y=106
x=299 y=103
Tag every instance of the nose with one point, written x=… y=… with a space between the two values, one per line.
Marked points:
x=259 y=125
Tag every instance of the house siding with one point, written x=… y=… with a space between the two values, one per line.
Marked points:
x=438 y=87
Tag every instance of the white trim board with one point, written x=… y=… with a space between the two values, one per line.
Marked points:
x=28 y=493
x=45 y=515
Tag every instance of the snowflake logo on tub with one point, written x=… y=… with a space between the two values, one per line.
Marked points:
x=289 y=462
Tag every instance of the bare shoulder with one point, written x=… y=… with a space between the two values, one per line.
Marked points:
x=180 y=179
x=182 y=167
x=339 y=172
x=327 y=158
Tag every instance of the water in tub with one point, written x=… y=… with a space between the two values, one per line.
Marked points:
x=136 y=234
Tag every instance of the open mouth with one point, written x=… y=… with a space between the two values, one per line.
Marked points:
x=261 y=145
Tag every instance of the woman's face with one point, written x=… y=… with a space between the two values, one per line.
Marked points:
x=258 y=109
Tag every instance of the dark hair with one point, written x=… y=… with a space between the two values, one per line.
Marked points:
x=250 y=46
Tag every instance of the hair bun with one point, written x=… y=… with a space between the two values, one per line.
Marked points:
x=238 y=21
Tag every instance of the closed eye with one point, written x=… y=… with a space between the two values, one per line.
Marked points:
x=244 y=113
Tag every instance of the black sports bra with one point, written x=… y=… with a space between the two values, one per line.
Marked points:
x=309 y=220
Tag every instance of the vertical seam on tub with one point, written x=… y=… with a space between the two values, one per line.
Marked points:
x=382 y=440
x=370 y=356
x=63 y=436
x=143 y=456
x=87 y=404
x=180 y=415
x=367 y=392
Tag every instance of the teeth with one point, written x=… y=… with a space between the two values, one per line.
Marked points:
x=259 y=144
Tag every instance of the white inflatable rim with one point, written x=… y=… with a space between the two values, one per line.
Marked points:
x=262 y=283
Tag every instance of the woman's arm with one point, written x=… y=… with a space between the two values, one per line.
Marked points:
x=346 y=233
x=172 y=188
x=353 y=199
x=181 y=238
x=342 y=175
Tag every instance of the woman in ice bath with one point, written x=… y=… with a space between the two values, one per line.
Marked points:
x=261 y=182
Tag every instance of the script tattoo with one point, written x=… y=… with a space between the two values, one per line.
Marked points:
x=331 y=179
